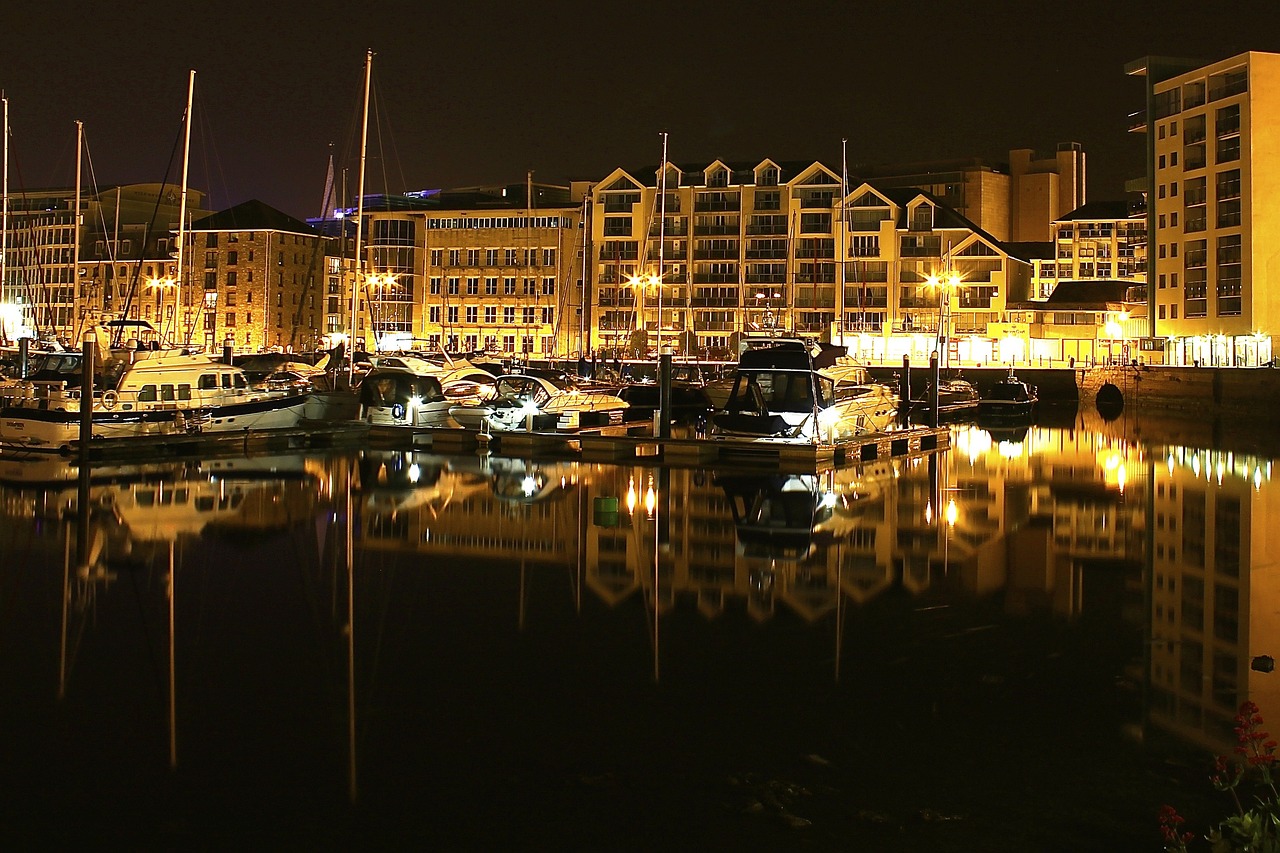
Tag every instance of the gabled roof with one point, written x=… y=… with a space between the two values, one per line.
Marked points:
x=1103 y=211
x=1090 y=295
x=1032 y=250
x=252 y=215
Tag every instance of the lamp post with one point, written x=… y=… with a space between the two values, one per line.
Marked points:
x=640 y=283
x=377 y=283
x=945 y=285
x=165 y=285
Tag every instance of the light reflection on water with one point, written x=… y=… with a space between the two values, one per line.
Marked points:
x=384 y=618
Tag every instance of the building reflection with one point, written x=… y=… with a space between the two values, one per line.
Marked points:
x=1077 y=523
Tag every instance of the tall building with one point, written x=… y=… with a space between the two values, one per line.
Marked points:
x=126 y=240
x=1213 y=188
x=754 y=248
x=1018 y=200
x=258 y=281
x=495 y=268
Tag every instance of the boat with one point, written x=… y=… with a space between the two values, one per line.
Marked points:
x=395 y=396
x=957 y=399
x=778 y=392
x=524 y=402
x=140 y=393
x=1010 y=399
x=459 y=379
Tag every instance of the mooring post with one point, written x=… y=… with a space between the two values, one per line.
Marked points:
x=24 y=357
x=936 y=373
x=904 y=393
x=664 y=396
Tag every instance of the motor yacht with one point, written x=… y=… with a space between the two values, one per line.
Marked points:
x=778 y=392
x=1010 y=399
x=536 y=403
x=140 y=393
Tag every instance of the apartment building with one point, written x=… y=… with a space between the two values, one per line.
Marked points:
x=493 y=268
x=737 y=249
x=1016 y=200
x=255 y=281
x=125 y=236
x=1213 y=185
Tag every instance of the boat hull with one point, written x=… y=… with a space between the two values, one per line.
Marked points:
x=56 y=429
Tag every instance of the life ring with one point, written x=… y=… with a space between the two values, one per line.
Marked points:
x=110 y=399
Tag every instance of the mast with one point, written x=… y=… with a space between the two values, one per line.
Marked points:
x=75 y=217
x=662 y=232
x=844 y=254
x=182 y=209
x=4 y=228
x=359 y=271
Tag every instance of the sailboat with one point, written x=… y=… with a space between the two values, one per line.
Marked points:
x=140 y=392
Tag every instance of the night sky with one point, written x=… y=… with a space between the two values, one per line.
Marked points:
x=479 y=92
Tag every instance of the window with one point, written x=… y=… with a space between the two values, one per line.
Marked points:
x=510 y=257
x=473 y=314
x=435 y=285
x=490 y=314
x=230 y=319
x=491 y=286
x=528 y=316
x=434 y=314
x=549 y=286
x=548 y=314
x=491 y=257
x=509 y=286
x=509 y=314
x=454 y=256
x=473 y=257
x=453 y=314
x=232 y=257
x=437 y=257
x=147 y=394
x=548 y=257
x=473 y=286
x=453 y=287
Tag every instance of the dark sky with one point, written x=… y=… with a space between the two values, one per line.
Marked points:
x=480 y=92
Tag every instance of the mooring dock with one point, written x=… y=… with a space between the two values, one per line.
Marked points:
x=617 y=444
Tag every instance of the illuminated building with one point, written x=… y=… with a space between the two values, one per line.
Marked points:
x=1213 y=189
x=125 y=236
x=755 y=248
x=476 y=268
x=1017 y=200
x=256 y=280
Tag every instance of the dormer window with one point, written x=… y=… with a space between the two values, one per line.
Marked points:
x=718 y=178
x=922 y=218
x=767 y=177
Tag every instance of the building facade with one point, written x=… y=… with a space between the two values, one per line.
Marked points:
x=1213 y=184
x=126 y=244
x=485 y=268
x=257 y=280
x=740 y=249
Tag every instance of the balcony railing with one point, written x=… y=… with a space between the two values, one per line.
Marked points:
x=767 y=230
x=714 y=301
x=715 y=230
x=718 y=206
x=715 y=278
x=715 y=254
x=766 y=278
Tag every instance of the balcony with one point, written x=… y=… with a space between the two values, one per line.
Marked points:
x=767 y=254
x=778 y=230
x=766 y=278
x=715 y=254
x=714 y=301
x=718 y=206
x=715 y=278
x=672 y=230
x=715 y=230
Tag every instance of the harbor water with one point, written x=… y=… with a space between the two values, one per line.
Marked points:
x=1029 y=641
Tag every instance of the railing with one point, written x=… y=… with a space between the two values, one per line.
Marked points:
x=767 y=230
x=717 y=206
x=715 y=230
x=766 y=278
x=766 y=254
x=715 y=254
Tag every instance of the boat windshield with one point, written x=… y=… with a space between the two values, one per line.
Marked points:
x=1007 y=391
x=777 y=391
x=524 y=388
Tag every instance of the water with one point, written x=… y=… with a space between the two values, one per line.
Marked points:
x=1030 y=642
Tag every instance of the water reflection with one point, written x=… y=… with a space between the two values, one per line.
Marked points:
x=1166 y=549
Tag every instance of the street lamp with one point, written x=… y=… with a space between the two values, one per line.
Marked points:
x=944 y=285
x=642 y=283
x=378 y=283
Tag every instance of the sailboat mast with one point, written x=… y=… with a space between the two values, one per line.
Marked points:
x=359 y=271
x=182 y=209
x=844 y=228
x=75 y=218
x=4 y=228
x=662 y=231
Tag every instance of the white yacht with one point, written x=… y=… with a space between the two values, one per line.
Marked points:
x=395 y=397
x=534 y=402
x=140 y=393
x=779 y=393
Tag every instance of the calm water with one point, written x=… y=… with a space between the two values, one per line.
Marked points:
x=1027 y=643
